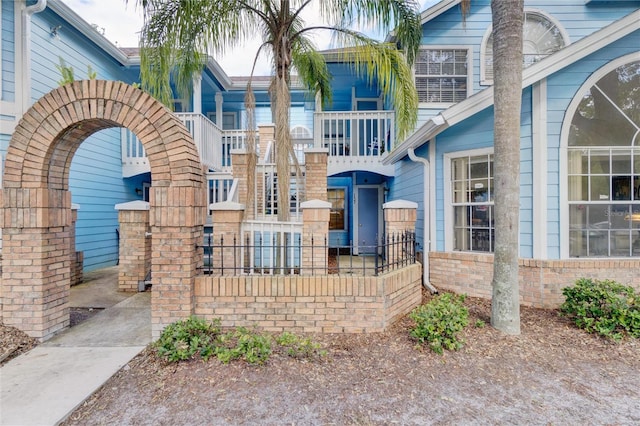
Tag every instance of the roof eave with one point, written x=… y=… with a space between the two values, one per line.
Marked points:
x=86 y=29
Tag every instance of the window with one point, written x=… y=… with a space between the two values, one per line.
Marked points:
x=337 y=216
x=472 y=202
x=603 y=158
x=441 y=75
x=541 y=37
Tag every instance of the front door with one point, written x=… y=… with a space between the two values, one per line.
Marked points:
x=368 y=207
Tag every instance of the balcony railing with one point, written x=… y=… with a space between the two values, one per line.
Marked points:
x=355 y=140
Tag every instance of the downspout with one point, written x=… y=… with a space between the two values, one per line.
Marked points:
x=425 y=238
x=28 y=11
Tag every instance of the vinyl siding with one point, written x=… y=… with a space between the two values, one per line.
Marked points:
x=95 y=181
x=7 y=54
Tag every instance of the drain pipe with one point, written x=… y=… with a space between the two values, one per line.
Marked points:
x=27 y=13
x=426 y=240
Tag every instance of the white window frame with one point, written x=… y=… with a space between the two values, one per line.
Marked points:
x=469 y=50
x=448 y=202
x=483 y=45
x=563 y=174
x=212 y=116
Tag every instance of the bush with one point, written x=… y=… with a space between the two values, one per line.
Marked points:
x=298 y=347
x=604 y=307
x=184 y=339
x=438 y=322
x=193 y=337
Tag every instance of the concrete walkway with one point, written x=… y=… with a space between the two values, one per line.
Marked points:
x=43 y=386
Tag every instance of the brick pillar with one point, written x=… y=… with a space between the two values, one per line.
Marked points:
x=316 y=173
x=399 y=216
x=77 y=257
x=135 y=244
x=239 y=160
x=227 y=221
x=266 y=134
x=177 y=217
x=315 y=233
x=36 y=263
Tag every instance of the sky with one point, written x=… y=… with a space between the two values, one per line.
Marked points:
x=120 y=21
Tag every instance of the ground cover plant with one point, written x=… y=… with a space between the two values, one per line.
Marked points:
x=439 y=322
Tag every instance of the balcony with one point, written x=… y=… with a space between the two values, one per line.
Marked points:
x=356 y=140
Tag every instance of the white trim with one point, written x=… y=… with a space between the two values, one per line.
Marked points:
x=539 y=169
x=437 y=10
x=564 y=138
x=536 y=72
x=469 y=49
x=483 y=46
x=448 y=206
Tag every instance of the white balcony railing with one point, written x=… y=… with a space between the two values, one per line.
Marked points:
x=355 y=140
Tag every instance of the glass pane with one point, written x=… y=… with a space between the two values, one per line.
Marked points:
x=599 y=162
x=619 y=216
x=598 y=216
x=460 y=193
x=636 y=188
x=599 y=188
x=620 y=243
x=461 y=216
x=621 y=162
x=577 y=243
x=577 y=217
x=578 y=188
x=598 y=243
x=621 y=187
x=480 y=216
x=479 y=168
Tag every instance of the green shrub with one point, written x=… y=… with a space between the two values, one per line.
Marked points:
x=298 y=347
x=438 y=322
x=604 y=307
x=184 y=339
x=242 y=343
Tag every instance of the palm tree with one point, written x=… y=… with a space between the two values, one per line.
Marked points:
x=507 y=92
x=178 y=35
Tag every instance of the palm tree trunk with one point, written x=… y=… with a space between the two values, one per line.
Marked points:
x=507 y=65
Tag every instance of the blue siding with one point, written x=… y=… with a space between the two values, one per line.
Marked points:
x=8 y=57
x=95 y=181
x=408 y=184
x=526 y=176
x=574 y=17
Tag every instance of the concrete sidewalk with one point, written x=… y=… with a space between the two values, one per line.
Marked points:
x=43 y=386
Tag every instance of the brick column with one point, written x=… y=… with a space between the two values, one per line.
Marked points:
x=266 y=134
x=316 y=173
x=36 y=262
x=315 y=233
x=135 y=245
x=227 y=220
x=240 y=160
x=399 y=217
x=176 y=216
x=77 y=258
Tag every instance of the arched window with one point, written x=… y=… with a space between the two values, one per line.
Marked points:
x=603 y=170
x=542 y=36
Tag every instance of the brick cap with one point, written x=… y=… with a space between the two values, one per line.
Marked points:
x=266 y=125
x=400 y=204
x=133 y=205
x=315 y=204
x=316 y=151
x=75 y=206
x=226 y=205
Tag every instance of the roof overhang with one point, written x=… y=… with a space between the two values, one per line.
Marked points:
x=536 y=72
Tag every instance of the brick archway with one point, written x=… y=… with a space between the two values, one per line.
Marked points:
x=36 y=202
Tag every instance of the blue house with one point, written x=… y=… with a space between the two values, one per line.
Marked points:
x=580 y=170
x=580 y=127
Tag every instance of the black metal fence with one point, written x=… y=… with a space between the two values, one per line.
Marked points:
x=275 y=255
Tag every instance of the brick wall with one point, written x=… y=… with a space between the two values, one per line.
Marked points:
x=328 y=303
x=541 y=281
